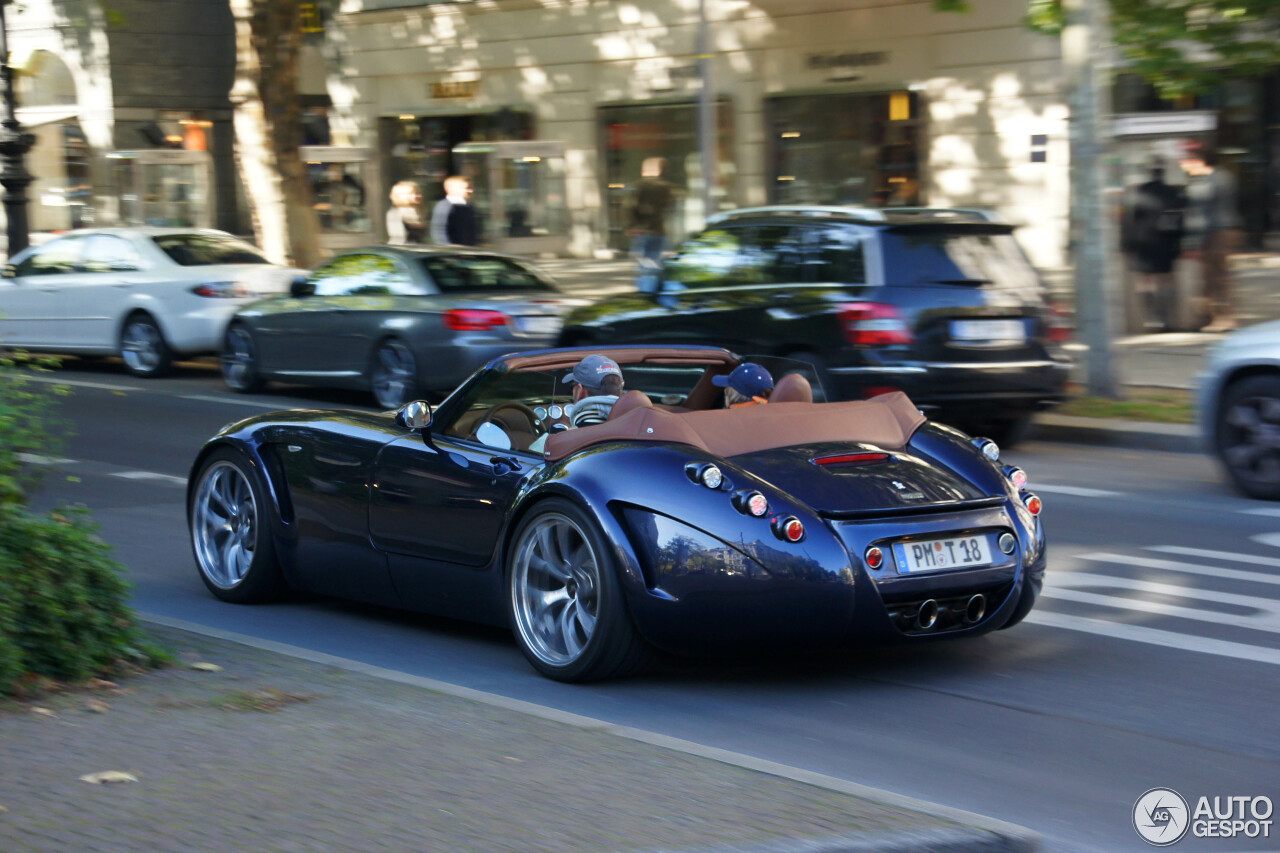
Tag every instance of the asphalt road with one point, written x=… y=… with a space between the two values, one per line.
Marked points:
x=1152 y=661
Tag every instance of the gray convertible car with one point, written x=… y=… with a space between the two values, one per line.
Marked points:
x=398 y=321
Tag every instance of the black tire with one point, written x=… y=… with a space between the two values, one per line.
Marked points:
x=1247 y=425
x=393 y=374
x=240 y=360
x=229 y=521
x=586 y=634
x=142 y=346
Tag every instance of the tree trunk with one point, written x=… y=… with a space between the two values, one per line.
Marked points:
x=268 y=123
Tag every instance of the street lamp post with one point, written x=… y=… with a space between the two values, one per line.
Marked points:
x=14 y=145
x=707 y=141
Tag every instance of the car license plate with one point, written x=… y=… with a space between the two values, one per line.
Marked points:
x=544 y=325
x=932 y=555
x=989 y=331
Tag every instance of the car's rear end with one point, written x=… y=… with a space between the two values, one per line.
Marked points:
x=959 y=321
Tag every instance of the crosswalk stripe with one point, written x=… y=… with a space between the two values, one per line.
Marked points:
x=1273 y=512
x=1265 y=615
x=1155 y=636
x=1078 y=491
x=151 y=475
x=1188 y=568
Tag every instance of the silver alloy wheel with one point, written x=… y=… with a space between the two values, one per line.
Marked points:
x=555 y=589
x=1252 y=448
x=238 y=360
x=224 y=525
x=142 y=346
x=394 y=375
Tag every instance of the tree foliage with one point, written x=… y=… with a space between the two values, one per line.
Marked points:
x=1185 y=46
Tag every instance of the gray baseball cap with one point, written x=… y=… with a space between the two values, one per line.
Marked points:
x=591 y=371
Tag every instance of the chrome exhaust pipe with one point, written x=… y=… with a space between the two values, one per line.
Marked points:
x=927 y=615
x=975 y=609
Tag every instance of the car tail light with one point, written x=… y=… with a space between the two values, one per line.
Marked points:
x=1058 y=324
x=751 y=503
x=989 y=448
x=873 y=324
x=221 y=290
x=474 y=319
x=1033 y=504
x=840 y=460
x=874 y=557
x=788 y=528
x=1016 y=476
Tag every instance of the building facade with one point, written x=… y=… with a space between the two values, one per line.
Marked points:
x=817 y=101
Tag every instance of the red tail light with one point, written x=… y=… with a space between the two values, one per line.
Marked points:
x=1033 y=504
x=873 y=324
x=842 y=459
x=474 y=319
x=1058 y=323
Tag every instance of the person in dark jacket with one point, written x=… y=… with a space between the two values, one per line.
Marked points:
x=1152 y=235
x=453 y=221
x=648 y=225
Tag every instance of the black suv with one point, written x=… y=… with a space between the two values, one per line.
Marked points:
x=939 y=303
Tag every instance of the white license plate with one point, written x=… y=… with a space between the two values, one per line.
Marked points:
x=989 y=331
x=539 y=325
x=931 y=555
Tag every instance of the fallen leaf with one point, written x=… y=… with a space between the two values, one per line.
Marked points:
x=44 y=712
x=108 y=776
x=99 y=684
x=97 y=706
x=206 y=667
x=513 y=758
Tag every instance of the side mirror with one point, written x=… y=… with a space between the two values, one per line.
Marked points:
x=415 y=416
x=300 y=287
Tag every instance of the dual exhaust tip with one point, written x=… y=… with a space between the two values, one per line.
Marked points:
x=927 y=616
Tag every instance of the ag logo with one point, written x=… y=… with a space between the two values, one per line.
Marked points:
x=1161 y=817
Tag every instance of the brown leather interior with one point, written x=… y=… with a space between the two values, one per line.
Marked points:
x=792 y=388
x=623 y=355
x=633 y=399
x=886 y=421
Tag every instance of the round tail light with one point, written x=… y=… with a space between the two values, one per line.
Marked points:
x=789 y=528
x=757 y=505
x=1033 y=504
x=1016 y=476
x=874 y=557
x=711 y=477
x=989 y=448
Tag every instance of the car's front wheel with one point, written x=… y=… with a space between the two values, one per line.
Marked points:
x=564 y=599
x=240 y=361
x=1248 y=435
x=228 y=520
x=143 y=348
x=393 y=375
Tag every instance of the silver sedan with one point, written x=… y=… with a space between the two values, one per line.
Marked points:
x=1239 y=408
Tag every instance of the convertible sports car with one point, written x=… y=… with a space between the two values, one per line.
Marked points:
x=677 y=524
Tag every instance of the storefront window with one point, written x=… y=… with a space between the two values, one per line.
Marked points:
x=419 y=148
x=855 y=149
x=338 y=196
x=632 y=133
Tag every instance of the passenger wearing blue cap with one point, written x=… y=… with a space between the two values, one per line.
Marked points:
x=748 y=385
x=599 y=382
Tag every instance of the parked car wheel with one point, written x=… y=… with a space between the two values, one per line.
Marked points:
x=1248 y=435
x=564 y=599
x=143 y=348
x=240 y=361
x=228 y=515
x=393 y=376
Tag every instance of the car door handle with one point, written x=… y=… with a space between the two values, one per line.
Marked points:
x=505 y=461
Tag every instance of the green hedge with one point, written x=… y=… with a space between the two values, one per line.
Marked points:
x=63 y=599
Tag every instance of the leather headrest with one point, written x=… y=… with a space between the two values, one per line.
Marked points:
x=792 y=388
x=627 y=402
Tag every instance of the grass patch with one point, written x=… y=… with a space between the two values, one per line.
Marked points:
x=1158 y=405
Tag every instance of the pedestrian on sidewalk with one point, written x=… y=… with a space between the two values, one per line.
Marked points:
x=405 y=222
x=453 y=220
x=1213 y=223
x=1151 y=234
x=648 y=227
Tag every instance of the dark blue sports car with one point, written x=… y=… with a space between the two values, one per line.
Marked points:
x=677 y=524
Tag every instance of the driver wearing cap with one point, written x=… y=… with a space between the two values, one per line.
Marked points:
x=599 y=383
x=748 y=385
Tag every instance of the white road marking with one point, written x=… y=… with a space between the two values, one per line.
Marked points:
x=1264 y=615
x=37 y=459
x=1270 y=511
x=151 y=475
x=1194 y=568
x=239 y=401
x=1272 y=539
x=1078 y=491
x=1155 y=637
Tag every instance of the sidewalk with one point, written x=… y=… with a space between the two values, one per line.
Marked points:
x=283 y=750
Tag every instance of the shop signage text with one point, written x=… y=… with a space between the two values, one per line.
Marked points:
x=1158 y=124
x=454 y=90
x=823 y=61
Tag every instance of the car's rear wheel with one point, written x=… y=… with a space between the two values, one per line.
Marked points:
x=564 y=599
x=143 y=348
x=229 y=535
x=393 y=376
x=240 y=361
x=1248 y=435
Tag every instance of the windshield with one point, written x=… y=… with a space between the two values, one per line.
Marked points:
x=202 y=250
x=931 y=256
x=482 y=274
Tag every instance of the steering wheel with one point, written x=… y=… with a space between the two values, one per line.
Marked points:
x=503 y=415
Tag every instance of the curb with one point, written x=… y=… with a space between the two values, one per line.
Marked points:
x=1113 y=432
x=979 y=833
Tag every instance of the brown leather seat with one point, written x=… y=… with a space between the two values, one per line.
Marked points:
x=627 y=402
x=792 y=388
